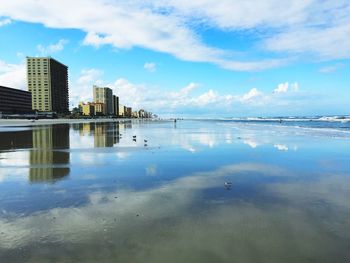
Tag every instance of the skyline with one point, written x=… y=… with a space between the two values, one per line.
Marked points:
x=176 y=58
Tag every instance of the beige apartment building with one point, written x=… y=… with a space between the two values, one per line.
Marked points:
x=104 y=95
x=47 y=80
x=121 y=112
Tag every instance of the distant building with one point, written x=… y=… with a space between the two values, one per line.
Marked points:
x=47 y=80
x=115 y=105
x=100 y=109
x=104 y=95
x=141 y=113
x=87 y=109
x=15 y=100
x=121 y=111
x=128 y=112
x=135 y=114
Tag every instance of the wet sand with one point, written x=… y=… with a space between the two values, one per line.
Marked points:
x=156 y=192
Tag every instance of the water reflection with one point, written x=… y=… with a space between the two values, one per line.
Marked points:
x=105 y=134
x=16 y=140
x=44 y=150
x=123 y=202
x=154 y=224
x=49 y=156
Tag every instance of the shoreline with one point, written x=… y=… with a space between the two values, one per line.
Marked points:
x=24 y=122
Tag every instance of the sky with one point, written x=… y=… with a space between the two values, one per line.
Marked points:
x=203 y=58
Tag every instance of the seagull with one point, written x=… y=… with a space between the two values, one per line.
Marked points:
x=145 y=141
x=134 y=136
x=227 y=185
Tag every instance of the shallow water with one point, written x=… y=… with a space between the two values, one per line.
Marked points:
x=89 y=193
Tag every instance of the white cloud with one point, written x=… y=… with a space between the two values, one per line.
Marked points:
x=294 y=86
x=251 y=142
x=281 y=147
x=282 y=88
x=151 y=170
x=150 y=66
x=329 y=44
x=324 y=32
x=185 y=100
x=285 y=87
x=52 y=48
x=253 y=93
x=184 y=92
x=13 y=75
x=331 y=69
x=125 y=25
x=81 y=89
x=304 y=26
x=236 y=14
x=206 y=98
x=5 y=21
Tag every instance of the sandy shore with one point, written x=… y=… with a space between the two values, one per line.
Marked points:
x=23 y=122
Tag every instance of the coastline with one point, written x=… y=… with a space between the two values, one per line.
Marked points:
x=24 y=122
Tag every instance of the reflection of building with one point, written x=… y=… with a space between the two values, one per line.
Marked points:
x=15 y=100
x=104 y=95
x=16 y=140
x=49 y=157
x=48 y=83
x=106 y=134
x=86 y=128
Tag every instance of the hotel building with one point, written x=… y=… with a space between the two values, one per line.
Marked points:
x=47 y=80
x=104 y=95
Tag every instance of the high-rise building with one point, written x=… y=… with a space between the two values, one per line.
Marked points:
x=104 y=95
x=115 y=105
x=48 y=82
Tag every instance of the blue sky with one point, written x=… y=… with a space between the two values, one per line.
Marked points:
x=177 y=58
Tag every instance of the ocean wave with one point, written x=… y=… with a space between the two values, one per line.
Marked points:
x=342 y=119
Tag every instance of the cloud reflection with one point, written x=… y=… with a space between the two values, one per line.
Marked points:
x=158 y=221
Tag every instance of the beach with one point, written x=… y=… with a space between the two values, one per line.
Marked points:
x=160 y=191
x=24 y=122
